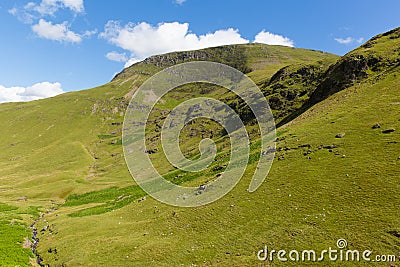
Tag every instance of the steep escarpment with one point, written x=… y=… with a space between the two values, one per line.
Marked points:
x=232 y=55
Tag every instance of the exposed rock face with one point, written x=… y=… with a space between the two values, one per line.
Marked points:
x=304 y=74
x=171 y=59
x=340 y=76
x=231 y=55
x=291 y=86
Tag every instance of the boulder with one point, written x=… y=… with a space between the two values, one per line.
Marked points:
x=391 y=130
x=340 y=135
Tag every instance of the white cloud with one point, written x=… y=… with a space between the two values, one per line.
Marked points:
x=29 y=5
x=49 y=7
x=347 y=40
x=22 y=15
x=34 y=92
x=56 y=32
x=272 y=39
x=33 y=13
x=360 y=40
x=180 y=2
x=115 y=56
x=89 y=33
x=74 y=5
x=13 y=11
x=144 y=40
x=131 y=61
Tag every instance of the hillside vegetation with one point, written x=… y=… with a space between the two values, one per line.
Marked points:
x=336 y=172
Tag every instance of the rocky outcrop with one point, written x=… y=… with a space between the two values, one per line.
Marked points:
x=231 y=55
x=291 y=86
x=171 y=59
x=379 y=54
x=339 y=76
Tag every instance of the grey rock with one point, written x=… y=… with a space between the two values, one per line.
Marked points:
x=391 y=130
x=340 y=135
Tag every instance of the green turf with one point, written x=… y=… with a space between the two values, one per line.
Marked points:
x=63 y=156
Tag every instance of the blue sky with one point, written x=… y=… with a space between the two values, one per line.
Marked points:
x=52 y=46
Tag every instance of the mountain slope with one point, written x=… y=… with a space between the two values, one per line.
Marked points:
x=321 y=189
x=311 y=198
x=374 y=58
x=84 y=124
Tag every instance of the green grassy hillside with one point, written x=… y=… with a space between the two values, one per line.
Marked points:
x=62 y=157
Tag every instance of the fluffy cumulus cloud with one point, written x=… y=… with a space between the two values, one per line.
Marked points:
x=349 y=40
x=115 y=56
x=49 y=7
x=56 y=32
x=33 y=11
x=180 y=2
x=144 y=40
x=36 y=14
x=34 y=92
x=265 y=37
